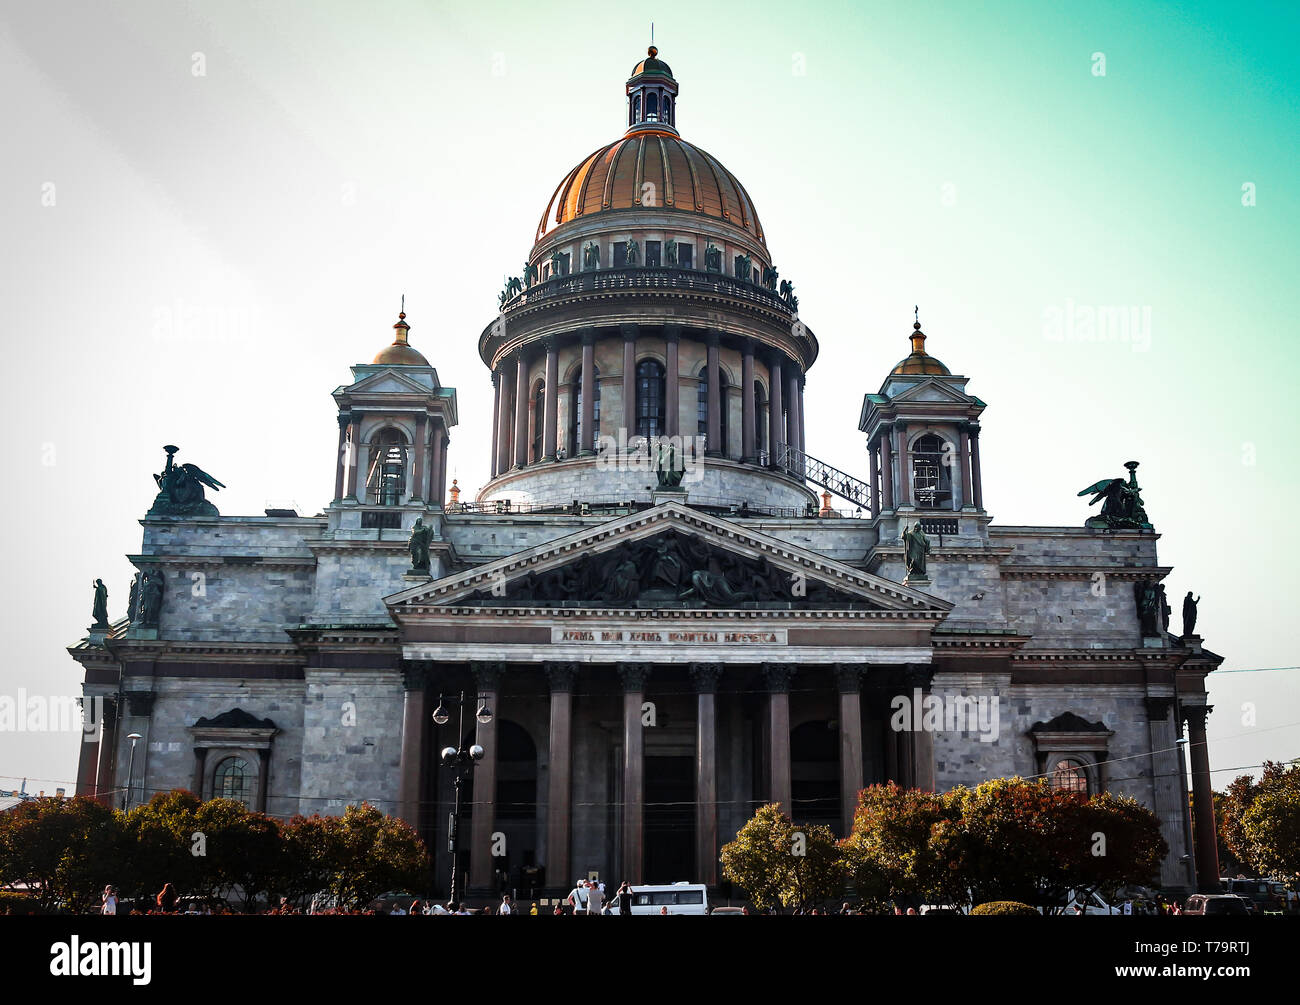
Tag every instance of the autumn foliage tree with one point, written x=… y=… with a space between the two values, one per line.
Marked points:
x=57 y=850
x=1261 y=820
x=1006 y=839
x=777 y=862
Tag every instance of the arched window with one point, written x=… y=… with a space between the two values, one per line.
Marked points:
x=932 y=472
x=668 y=110
x=636 y=109
x=652 y=107
x=575 y=409
x=760 y=421
x=232 y=780
x=702 y=409
x=386 y=479
x=649 y=398
x=1071 y=775
x=539 y=420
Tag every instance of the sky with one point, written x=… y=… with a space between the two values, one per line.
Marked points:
x=209 y=211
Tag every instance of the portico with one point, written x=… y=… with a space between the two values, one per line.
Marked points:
x=682 y=691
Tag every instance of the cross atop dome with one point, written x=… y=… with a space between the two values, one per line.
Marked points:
x=652 y=96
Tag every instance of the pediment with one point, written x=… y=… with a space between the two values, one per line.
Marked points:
x=669 y=556
x=931 y=390
x=388 y=382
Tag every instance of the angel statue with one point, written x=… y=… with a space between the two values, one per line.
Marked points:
x=1122 y=508
x=530 y=275
x=180 y=489
x=670 y=253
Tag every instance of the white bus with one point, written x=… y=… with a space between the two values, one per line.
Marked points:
x=677 y=898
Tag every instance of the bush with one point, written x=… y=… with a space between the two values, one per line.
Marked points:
x=14 y=902
x=1012 y=908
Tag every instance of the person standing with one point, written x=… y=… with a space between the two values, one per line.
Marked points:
x=108 y=903
x=505 y=907
x=595 y=898
x=577 y=898
x=624 y=898
x=167 y=899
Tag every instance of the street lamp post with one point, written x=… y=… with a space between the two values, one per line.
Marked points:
x=130 y=770
x=460 y=760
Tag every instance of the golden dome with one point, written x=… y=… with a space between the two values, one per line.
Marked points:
x=686 y=179
x=919 y=361
x=400 y=352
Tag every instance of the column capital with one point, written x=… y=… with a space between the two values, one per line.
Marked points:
x=848 y=678
x=345 y=419
x=634 y=675
x=560 y=676
x=747 y=347
x=487 y=673
x=589 y=336
x=549 y=343
x=918 y=675
x=629 y=332
x=705 y=677
x=415 y=675
x=672 y=332
x=1158 y=708
x=713 y=338
x=1196 y=715
x=901 y=425
x=140 y=703
x=777 y=677
x=776 y=358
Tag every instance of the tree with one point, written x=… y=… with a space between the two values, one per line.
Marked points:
x=1272 y=831
x=889 y=854
x=1006 y=839
x=756 y=861
x=156 y=846
x=58 y=848
x=356 y=856
x=243 y=850
x=1251 y=845
x=778 y=862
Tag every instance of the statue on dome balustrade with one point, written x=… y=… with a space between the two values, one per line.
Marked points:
x=670 y=253
x=1122 y=508
x=180 y=489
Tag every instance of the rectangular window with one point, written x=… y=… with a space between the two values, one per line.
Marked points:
x=684 y=253
x=652 y=253
x=620 y=254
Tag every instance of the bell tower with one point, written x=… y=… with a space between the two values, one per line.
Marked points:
x=394 y=421
x=923 y=446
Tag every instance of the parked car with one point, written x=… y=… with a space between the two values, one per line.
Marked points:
x=1217 y=903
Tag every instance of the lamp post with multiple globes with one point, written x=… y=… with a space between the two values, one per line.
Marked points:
x=461 y=761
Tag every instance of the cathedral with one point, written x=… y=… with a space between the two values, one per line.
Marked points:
x=653 y=618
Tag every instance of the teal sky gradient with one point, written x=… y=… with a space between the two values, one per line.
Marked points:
x=224 y=246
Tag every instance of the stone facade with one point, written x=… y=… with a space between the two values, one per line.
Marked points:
x=659 y=665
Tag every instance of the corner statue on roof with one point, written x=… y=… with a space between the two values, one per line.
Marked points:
x=1122 y=508
x=915 y=547
x=180 y=489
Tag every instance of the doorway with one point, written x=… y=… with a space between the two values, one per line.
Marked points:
x=669 y=819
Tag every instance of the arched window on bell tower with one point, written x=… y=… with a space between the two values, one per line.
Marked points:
x=386 y=479
x=932 y=462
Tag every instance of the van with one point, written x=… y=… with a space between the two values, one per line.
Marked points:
x=678 y=898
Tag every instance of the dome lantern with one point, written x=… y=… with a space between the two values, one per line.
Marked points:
x=652 y=96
